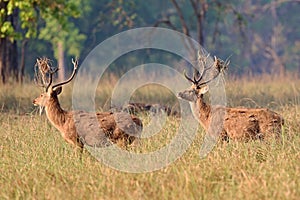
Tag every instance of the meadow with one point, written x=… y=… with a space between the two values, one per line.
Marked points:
x=36 y=163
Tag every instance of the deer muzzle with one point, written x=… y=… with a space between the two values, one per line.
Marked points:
x=188 y=95
x=34 y=102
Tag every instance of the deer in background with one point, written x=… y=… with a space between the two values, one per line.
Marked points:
x=236 y=123
x=120 y=127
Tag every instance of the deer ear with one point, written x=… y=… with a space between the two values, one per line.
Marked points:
x=58 y=90
x=204 y=89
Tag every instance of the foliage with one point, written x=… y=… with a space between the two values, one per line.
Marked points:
x=31 y=10
x=27 y=17
x=59 y=27
x=255 y=33
x=21 y=20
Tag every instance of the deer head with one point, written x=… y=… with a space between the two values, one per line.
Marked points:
x=199 y=85
x=51 y=91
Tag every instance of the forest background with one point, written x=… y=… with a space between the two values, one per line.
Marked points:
x=258 y=36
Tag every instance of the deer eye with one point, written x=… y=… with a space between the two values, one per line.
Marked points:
x=198 y=87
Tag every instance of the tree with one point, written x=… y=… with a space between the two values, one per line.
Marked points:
x=190 y=18
x=271 y=47
x=8 y=45
x=19 y=20
x=62 y=33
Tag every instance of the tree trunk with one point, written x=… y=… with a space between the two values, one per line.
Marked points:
x=14 y=48
x=8 y=48
x=13 y=58
x=3 y=6
x=10 y=60
x=22 y=64
x=2 y=60
x=280 y=67
x=61 y=61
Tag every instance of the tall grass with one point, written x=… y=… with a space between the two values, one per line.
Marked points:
x=36 y=163
x=263 y=91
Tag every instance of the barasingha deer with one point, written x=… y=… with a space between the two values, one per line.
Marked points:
x=78 y=127
x=236 y=123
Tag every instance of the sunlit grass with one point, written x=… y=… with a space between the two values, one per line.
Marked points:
x=36 y=163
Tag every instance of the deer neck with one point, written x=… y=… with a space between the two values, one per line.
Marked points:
x=55 y=114
x=201 y=111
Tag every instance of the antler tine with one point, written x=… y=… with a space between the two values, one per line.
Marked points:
x=50 y=78
x=218 y=64
x=209 y=80
x=197 y=76
x=227 y=62
x=202 y=59
x=75 y=66
x=37 y=79
x=203 y=63
x=188 y=78
x=41 y=68
x=220 y=67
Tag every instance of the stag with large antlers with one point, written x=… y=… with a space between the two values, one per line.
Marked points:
x=236 y=123
x=75 y=126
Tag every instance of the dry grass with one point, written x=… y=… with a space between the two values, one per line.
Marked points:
x=36 y=163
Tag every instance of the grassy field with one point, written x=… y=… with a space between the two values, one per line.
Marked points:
x=36 y=163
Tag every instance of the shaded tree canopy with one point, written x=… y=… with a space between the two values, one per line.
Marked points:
x=24 y=20
x=254 y=33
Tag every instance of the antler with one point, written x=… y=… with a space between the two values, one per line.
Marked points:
x=50 y=81
x=43 y=71
x=218 y=64
x=197 y=76
x=202 y=61
x=75 y=66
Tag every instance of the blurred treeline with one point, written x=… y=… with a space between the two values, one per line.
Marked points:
x=258 y=36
